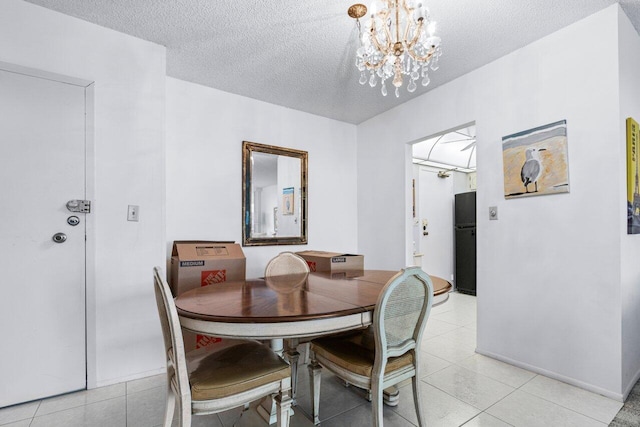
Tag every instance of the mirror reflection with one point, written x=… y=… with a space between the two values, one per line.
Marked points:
x=274 y=195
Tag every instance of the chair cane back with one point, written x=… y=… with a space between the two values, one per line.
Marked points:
x=399 y=319
x=218 y=377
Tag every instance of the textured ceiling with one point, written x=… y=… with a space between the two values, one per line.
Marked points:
x=301 y=54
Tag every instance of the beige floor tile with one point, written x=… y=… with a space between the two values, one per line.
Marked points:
x=430 y=364
x=522 y=409
x=362 y=416
x=106 y=413
x=441 y=409
x=147 y=383
x=590 y=404
x=486 y=420
x=456 y=317
x=146 y=408
x=234 y=417
x=463 y=335
x=448 y=349
x=437 y=327
x=18 y=412
x=457 y=301
x=335 y=398
x=80 y=398
x=499 y=371
x=468 y=386
x=23 y=423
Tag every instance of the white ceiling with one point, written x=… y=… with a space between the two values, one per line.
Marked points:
x=301 y=54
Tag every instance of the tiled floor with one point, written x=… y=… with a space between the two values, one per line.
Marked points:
x=459 y=388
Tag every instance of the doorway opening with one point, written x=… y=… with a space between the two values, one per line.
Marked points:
x=444 y=176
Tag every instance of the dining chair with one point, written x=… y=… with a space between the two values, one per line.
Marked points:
x=399 y=318
x=289 y=264
x=286 y=263
x=220 y=377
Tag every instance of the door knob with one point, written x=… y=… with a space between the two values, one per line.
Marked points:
x=59 y=238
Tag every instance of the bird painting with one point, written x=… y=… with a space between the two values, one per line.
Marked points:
x=532 y=168
x=529 y=172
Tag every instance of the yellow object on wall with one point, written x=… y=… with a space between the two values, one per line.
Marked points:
x=633 y=190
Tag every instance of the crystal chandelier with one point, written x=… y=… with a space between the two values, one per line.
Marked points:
x=399 y=39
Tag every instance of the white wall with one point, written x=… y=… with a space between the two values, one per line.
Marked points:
x=629 y=56
x=462 y=182
x=438 y=247
x=205 y=130
x=123 y=333
x=435 y=201
x=549 y=268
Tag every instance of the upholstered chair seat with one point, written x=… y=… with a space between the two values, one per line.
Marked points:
x=240 y=367
x=350 y=354
x=217 y=377
x=388 y=356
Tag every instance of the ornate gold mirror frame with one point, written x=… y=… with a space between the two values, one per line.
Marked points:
x=274 y=195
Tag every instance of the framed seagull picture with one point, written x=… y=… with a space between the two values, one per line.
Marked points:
x=535 y=161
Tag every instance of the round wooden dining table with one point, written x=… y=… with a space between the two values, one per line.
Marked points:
x=290 y=308
x=293 y=306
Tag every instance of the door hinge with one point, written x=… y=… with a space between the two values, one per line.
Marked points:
x=82 y=206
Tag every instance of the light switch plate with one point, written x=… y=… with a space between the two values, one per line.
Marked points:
x=133 y=213
x=493 y=212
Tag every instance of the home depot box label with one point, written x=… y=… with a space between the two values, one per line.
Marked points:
x=204 y=263
x=332 y=261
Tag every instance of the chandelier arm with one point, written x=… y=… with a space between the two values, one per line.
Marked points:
x=397 y=21
x=371 y=66
x=408 y=12
x=384 y=16
x=406 y=8
x=416 y=35
x=374 y=36
x=421 y=58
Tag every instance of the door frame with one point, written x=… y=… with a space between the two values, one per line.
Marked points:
x=89 y=185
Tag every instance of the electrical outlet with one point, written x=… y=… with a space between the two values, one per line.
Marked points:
x=133 y=213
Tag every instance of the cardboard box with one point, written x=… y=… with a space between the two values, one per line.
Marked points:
x=196 y=263
x=332 y=261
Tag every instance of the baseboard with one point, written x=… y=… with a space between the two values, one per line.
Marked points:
x=137 y=376
x=554 y=375
x=630 y=385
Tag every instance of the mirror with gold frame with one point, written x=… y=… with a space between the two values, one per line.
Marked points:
x=274 y=195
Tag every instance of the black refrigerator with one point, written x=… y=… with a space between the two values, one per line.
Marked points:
x=465 y=230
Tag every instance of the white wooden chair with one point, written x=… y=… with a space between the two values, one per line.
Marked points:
x=294 y=266
x=399 y=319
x=220 y=377
x=286 y=263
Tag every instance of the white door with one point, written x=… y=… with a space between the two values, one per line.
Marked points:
x=436 y=207
x=42 y=307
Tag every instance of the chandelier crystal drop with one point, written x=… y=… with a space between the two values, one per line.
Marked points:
x=397 y=42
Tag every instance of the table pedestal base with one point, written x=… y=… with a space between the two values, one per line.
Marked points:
x=391 y=396
x=268 y=411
